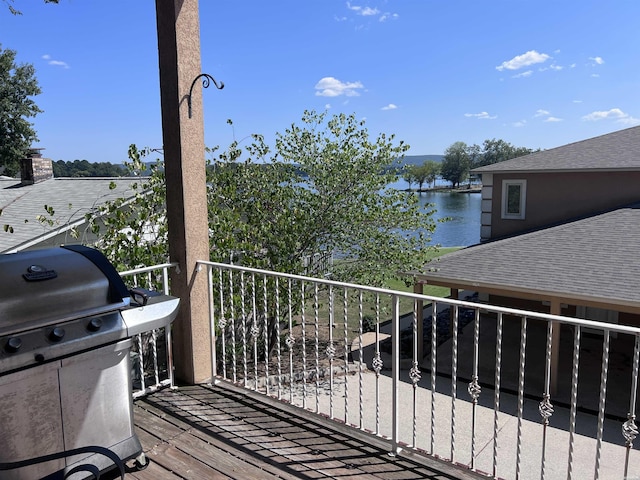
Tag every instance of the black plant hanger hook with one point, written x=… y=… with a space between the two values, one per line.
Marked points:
x=206 y=80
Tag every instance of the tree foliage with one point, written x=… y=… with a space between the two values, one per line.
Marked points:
x=460 y=158
x=17 y=85
x=421 y=174
x=15 y=11
x=323 y=189
x=494 y=151
x=84 y=168
x=455 y=164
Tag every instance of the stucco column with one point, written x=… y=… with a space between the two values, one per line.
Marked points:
x=183 y=141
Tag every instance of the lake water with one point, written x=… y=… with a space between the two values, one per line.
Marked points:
x=463 y=209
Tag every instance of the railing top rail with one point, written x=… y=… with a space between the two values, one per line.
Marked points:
x=427 y=298
x=148 y=269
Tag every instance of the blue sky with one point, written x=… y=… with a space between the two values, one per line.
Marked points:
x=535 y=73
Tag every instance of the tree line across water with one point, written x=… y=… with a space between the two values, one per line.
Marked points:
x=459 y=159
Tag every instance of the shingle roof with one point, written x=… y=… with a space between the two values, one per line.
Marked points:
x=594 y=259
x=71 y=198
x=615 y=151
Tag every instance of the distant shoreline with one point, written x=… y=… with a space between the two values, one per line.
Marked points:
x=463 y=189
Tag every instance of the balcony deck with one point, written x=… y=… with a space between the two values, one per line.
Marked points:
x=217 y=433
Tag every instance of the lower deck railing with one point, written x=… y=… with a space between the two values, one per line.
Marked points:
x=504 y=392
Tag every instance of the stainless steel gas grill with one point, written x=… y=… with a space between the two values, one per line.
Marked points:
x=66 y=322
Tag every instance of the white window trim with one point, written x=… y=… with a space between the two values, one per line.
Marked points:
x=523 y=199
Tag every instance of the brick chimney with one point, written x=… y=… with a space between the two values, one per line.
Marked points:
x=35 y=168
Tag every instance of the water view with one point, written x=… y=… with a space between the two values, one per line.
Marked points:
x=463 y=210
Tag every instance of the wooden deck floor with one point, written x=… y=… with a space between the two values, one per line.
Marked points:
x=203 y=432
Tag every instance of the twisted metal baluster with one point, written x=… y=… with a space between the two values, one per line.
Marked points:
x=304 y=346
x=278 y=343
x=154 y=350
x=141 y=363
x=316 y=321
x=546 y=407
x=290 y=340
x=223 y=325
x=603 y=397
x=474 y=387
x=212 y=323
x=496 y=393
x=331 y=351
x=265 y=308
x=232 y=314
x=454 y=379
x=523 y=345
x=434 y=348
x=244 y=328
x=346 y=358
x=414 y=372
x=255 y=331
x=574 y=398
x=361 y=357
x=629 y=428
x=377 y=364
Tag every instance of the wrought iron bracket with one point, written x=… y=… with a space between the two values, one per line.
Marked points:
x=206 y=80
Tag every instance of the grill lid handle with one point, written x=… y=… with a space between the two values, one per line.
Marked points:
x=140 y=296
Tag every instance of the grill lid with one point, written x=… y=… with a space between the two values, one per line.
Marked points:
x=44 y=287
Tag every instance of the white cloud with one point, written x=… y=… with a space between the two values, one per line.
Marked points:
x=595 y=75
x=332 y=87
x=327 y=106
x=56 y=63
x=388 y=16
x=577 y=101
x=541 y=113
x=481 y=115
x=528 y=73
x=614 y=114
x=553 y=119
x=364 y=11
x=339 y=19
x=521 y=123
x=391 y=106
x=596 y=60
x=530 y=58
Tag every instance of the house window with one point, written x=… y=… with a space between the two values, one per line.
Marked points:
x=514 y=195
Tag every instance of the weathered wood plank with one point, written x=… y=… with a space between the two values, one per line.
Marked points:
x=153 y=472
x=211 y=432
x=171 y=458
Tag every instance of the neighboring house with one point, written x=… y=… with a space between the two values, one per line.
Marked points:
x=560 y=233
x=560 y=184
x=23 y=201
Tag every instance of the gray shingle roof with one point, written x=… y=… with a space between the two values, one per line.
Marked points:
x=71 y=198
x=594 y=259
x=615 y=151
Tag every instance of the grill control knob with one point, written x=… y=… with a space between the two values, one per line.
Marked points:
x=94 y=324
x=13 y=345
x=56 y=334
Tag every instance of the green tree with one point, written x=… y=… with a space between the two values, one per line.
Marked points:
x=325 y=188
x=494 y=151
x=431 y=170
x=17 y=85
x=455 y=164
x=409 y=175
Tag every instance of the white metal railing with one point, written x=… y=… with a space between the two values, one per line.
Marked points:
x=504 y=389
x=151 y=355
